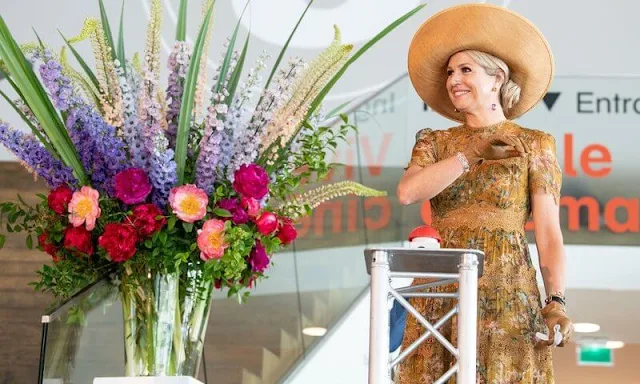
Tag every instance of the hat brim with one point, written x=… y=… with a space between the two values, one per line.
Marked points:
x=487 y=28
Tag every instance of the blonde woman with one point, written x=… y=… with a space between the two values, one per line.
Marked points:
x=483 y=66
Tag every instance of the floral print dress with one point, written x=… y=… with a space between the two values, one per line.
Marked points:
x=487 y=208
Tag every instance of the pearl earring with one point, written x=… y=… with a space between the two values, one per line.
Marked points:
x=456 y=110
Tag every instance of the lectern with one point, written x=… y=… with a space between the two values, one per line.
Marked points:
x=445 y=266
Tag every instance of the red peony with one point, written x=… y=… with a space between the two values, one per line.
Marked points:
x=258 y=258
x=132 y=186
x=267 y=223
x=144 y=219
x=47 y=246
x=78 y=240
x=59 y=198
x=287 y=233
x=119 y=240
x=251 y=181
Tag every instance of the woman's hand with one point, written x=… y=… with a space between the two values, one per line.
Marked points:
x=497 y=147
x=555 y=314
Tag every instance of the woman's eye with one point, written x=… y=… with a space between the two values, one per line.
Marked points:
x=449 y=72
x=466 y=69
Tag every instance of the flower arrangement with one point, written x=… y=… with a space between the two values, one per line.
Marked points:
x=171 y=192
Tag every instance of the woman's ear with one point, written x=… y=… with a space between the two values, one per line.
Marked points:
x=500 y=78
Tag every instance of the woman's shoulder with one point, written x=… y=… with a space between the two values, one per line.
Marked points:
x=433 y=133
x=533 y=134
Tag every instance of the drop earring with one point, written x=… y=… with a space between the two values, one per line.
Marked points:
x=494 y=107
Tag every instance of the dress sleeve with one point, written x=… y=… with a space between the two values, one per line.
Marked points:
x=545 y=175
x=424 y=150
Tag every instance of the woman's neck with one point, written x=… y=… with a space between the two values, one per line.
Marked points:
x=485 y=119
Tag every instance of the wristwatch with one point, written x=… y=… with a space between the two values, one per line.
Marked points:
x=558 y=297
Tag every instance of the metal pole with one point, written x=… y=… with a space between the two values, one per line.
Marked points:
x=379 y=372
x=467 y=318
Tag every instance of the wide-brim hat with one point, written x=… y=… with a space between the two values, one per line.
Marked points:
x=487 y=28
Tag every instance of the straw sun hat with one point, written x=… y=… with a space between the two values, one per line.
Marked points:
x=487 y=28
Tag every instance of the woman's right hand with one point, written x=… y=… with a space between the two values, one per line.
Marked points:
x=496 y=147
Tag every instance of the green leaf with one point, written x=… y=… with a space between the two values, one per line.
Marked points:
x=82 y=63
x=181 y=29
x=163 y=237
x=3 y=238
x=34 y=130
x=323 y=93
x=235 y=76
x=186 y=108
x=29 y=242
x=107 y=29
x=227 y=58
x=188 y=227
x=121 y=53
x=286 y=45
x=37 y=98
x=337 y=109
x=171 y=223
x=221 y=212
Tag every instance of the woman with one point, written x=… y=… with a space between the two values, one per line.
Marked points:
x=483 y=66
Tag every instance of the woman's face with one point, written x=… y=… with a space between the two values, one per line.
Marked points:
x=468 y=84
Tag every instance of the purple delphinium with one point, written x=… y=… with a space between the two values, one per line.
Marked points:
x=28 y=149
x=129 y=86
x=101 y=151
x=178 y=67
x=211 y=146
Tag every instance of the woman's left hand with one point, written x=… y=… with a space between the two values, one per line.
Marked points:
x=554 y=314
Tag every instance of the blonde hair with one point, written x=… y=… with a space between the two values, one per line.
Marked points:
x=509 y=91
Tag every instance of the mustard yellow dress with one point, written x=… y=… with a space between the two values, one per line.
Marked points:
x=487 y=208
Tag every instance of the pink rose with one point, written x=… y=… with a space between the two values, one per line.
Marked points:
x=251 y=205
x=132 y=186
x=251 y=181
x=267 y=223
x=258 y=258
x=211 y=240
x=188 y=202
x=84 y=208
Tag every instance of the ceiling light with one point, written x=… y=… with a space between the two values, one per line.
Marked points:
x=614 y=344
x=314 y=331
x=585 y=327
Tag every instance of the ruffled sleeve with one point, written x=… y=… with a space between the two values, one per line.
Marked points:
x=545 y=175
x=424 y=150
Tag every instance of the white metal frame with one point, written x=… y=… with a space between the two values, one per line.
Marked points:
x=467 y=275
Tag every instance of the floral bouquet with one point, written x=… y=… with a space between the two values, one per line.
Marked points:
x=176 y=191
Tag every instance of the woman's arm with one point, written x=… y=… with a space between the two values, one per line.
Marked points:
x=420 y=183
x=549 y=241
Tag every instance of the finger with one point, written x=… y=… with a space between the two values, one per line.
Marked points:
x=512 y=153
x=527 y=147
x=516 y=143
